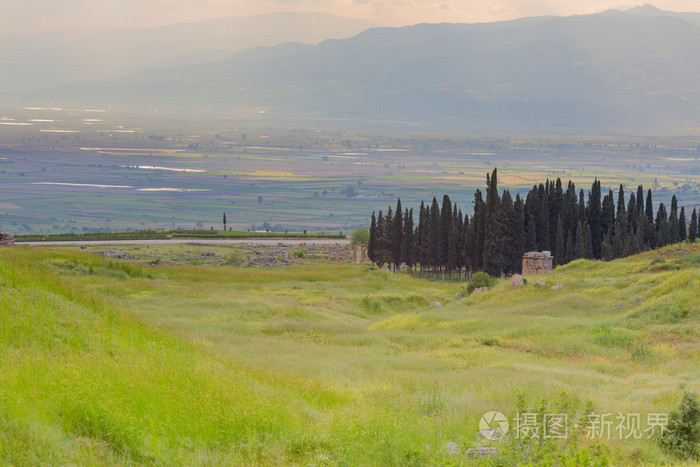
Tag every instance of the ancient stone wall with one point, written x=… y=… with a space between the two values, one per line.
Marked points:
x=537 y=262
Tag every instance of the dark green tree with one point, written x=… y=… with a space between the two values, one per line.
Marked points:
x=224 y=220
x=569 y=253
x=693 y=233
x=559 y=250
x=672 y=232
x=682 y=225
x=445 y=230
x=397 y=228
x=661 y=226
x=434 y=236
x=607 y=221
x=408 y=246
x=478 y=225
x=372 y=244
x=593 y=213
x=493 y=257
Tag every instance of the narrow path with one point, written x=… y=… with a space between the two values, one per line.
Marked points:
x=197 y=241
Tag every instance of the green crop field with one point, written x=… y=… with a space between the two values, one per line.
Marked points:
x=176 y=175
x=116 y=362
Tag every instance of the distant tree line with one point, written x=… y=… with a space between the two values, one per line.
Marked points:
x=550 y=218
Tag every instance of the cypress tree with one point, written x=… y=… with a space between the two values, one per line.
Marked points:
x=380 y=240
x=650 y=232
x=478 y=226
x=532 y=208
x=397 y=228
x=505 y=223
x=620 y=202
x=372 y=244
x=518 y=246
x=434 y=235
x=632 y=216
x=468 y=244
x=580 y=248
x=559 y=252
x=458 y=219
x=607 y=221
x=224 y=219
x=445 y=229
x=556 y=201
x=543 y=240
x=593 y=213
x=639 y=241
x=693 y=234
x=649 y=210
x=387 y=235
x=408 y=246
x=588 y=242
x=640 y=201
x=618 y=240
x=453 y=256
x=661 y=226
x=492 y=259
x=581 y=208
x=682 y=227
x=422 y=237
x=672 y=232
x=607 y=248
x=569 y=253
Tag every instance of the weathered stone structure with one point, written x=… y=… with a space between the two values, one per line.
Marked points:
x=359 y=254
x=6 y=239
x=537 y=262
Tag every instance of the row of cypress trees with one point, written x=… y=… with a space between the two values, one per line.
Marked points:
x=502 y=228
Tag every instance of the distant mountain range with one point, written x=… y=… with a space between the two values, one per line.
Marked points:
x=631 y=70
x=42 y=60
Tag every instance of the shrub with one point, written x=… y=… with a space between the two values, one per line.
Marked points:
x=683 y=436
x=479 y=280
x=360 y=236
x=235 y=258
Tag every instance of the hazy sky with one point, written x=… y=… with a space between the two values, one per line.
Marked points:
x=38 y=15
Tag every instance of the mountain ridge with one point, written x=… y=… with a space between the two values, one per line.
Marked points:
x=600 y=71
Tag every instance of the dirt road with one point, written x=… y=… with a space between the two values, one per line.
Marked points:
x=197 y=241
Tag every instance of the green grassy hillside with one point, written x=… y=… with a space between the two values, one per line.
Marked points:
x=116 y=363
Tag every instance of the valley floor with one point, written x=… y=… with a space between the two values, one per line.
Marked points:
x=107 y=361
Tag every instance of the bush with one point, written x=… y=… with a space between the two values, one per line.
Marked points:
x=360 y=236
x=235 y=258
x=479 y=280
x=683 y=436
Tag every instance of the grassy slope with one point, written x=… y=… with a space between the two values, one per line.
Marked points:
x=105 y=362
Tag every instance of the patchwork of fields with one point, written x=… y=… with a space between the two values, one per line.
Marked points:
x=120 y=361
x=109 y=176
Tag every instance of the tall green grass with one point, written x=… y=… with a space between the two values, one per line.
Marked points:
x=105 y=362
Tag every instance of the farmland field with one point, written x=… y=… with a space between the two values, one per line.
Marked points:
x=123 y=361
x=107 y=175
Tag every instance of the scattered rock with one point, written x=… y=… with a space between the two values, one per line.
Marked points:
x=452 y=448
x=516 y=280
x=435 y=304
x=557 y=287
x=638 y=300
x=540 y=284
x=458 y=295
x=114 y=254
x=617 y=307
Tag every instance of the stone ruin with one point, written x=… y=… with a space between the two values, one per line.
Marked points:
x=537 y=262
x=6 y=239
x=359 y=254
